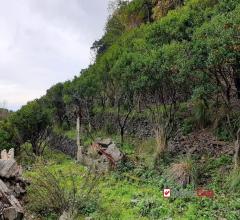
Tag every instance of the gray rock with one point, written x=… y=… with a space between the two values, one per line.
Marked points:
x=65 y=216
x=10 y=213
x=114 y=152
x=4 y=155
x=8 y=168
x=11 y=154
x=105 y=142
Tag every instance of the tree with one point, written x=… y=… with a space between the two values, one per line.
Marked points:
x=33 y=125
x=79 y=95
x=124 y=109
x=237 y=152
x=8 y=136
x=167 y=86
x=129 y=77
x=54 y=101
x=218 y=57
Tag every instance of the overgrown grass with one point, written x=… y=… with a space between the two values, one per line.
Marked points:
x=137 y=193
x=135 y=190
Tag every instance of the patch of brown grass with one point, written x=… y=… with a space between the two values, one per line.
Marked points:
x=183 y=173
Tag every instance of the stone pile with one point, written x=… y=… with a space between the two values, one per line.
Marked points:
x=102 y=155
x=200 y=143
x=12 y=187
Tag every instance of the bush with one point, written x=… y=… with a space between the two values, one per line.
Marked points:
x=52 y=193
x=4 y=140
x=201 y=113
x=109 y=128
x=65 y=126
x=151 y=208
x=188 y=125
x=227 y=126
x=235 y=181
x=8 y=136
x=183 y=172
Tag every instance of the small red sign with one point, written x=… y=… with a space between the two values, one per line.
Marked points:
x=205 y=193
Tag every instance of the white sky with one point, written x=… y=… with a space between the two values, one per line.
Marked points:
x=43 y=42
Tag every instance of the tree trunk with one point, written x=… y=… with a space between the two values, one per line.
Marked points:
x=237 y=85
x=35 y=149
x=122 y=135
x=139 y=104
x=78 y=132
x=237 y=77
x=237 y=152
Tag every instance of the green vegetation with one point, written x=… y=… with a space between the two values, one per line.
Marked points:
x=173 y=63
x=134 y=194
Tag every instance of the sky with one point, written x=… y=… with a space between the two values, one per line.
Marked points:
x=43 y=42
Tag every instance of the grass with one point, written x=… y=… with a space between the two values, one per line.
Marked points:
x=137 y=194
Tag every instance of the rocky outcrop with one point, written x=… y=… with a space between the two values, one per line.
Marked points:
x=102 y=155
x=12 y=187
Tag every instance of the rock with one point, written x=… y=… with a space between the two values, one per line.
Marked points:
x=7 y=155
x=12 y=187
x=8 y=168
x=114 y=152
x=11 y=154
x=18 y=190
x=3 y=188
x=20 y=170
x=101 y=156
x=134 y=201
x=10 y=199
x=65 y=216
x=105 y=142
x=10 y=213
x=4 y=155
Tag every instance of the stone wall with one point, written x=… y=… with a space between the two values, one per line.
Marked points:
x=63 y=144
x=139 y=127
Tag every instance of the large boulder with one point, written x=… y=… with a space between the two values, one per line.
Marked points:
x=101 y=156
x=114 y=152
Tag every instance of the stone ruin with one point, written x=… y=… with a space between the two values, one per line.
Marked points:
x=12 y=187
x=102 y=155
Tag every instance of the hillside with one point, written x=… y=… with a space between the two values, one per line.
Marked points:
x=165 y=87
